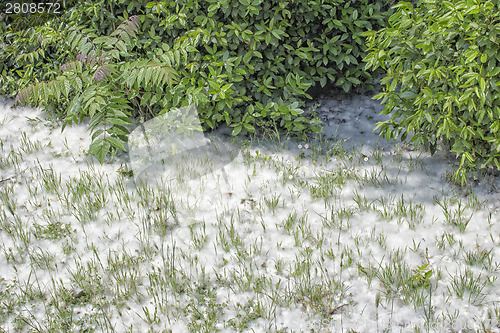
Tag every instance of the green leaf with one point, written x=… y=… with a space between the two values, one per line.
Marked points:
x=237 y=130
x=354 y=80
x=248 y=127
x=226 y=87
x=120 y=45
x=482 y=84
x=67 y=88
x=114 y=142
x=393 y=85
x=75 y=105
x=428 y=116
x=99 y=149
x=119 y=121
x=247 y=57
x=407 y=95
x=213 y=7
x=322 y=81
x=97 y=133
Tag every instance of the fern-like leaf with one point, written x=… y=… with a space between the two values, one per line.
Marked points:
x=74 y=39
x=85 y=47
x=55 y=88
x=75 y=66
x=102 y=72
x=99 y=148
x=175 y=57
x=145 y=73
x=128 y=28
x=66 y=88
x=81 y=57
x=23 y=97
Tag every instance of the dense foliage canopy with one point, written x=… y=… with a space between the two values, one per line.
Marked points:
x=247 y=63
x=442 y=62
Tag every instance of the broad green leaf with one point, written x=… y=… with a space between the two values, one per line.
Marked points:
x=428 y=116
x=237 y=130
x=407 y=95
x=482 y=84
x=322 y=81
x=249 y=127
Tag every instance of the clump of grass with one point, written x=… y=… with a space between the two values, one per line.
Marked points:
x=465 y=285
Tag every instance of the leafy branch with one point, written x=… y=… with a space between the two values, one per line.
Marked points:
x=94 y=83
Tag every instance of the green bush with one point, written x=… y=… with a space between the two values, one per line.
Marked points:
x=29 y=44
x=442 y=62
x=248 y=63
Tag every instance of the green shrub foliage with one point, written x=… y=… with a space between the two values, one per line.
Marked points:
x=442 y=62
x=248 y=63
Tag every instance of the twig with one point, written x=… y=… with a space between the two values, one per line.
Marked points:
x=4 y=180
x=337 y=308
x=11 y=177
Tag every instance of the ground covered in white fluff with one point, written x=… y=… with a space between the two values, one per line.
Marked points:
x=344 y=234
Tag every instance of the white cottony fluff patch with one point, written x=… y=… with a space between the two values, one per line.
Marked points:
x=282 y=240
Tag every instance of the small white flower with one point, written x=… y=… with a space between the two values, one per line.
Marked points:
x=366 y=159
x=281 y=173
x=290 y=177
x=306 y=146
x=288 y=162
x=300 y=146
x=344 y=170
x=63 y=226
x=141 y=120
x=307 y=166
